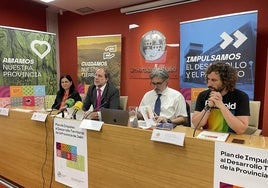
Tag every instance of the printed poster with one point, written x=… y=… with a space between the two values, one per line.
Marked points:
x=240 y=166
x=95 y=52
x=70 y=153
x=28 y=67
x=227 y=38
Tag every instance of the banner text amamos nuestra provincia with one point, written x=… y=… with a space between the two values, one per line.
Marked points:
x=28 y=58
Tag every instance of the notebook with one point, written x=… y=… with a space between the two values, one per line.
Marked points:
x=114 y=116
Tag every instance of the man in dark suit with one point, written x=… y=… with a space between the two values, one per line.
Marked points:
x=101 y=95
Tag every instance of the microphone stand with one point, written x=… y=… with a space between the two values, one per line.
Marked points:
x=207 y=108
x=85 y=116
x=78 y=106
x=95 y=110
x=74 y=116
x=62 y=113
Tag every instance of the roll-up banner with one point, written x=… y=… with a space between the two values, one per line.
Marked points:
x=228 y=38
x=95 y=52
x=28 y=67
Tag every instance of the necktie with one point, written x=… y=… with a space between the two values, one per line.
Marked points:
x=98 y=104
x=157 y=105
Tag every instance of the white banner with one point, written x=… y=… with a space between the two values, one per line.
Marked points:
x=70 y=153
x=240 y=166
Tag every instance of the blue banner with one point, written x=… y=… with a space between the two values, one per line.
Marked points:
x=227 y=38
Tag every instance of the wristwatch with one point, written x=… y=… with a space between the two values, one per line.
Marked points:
x=169 y=121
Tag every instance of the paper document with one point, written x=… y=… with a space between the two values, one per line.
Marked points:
x=209 y=135
x=148 y=115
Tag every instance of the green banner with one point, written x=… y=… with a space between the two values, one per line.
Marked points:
x=28 y=64
x=95 y=52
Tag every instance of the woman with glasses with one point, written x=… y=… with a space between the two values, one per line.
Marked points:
x=168 y=104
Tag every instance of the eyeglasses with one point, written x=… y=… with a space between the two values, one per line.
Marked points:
x=157 y=83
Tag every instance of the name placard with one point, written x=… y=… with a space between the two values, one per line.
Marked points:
x=37 y=116
x=4 y=111
x=168 y=137
x=91 y=124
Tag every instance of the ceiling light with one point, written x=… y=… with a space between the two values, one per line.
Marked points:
x=173 y=45
x=153 y=5
x=132 y=26
x=47 y=1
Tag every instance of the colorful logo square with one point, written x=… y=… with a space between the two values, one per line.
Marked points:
x=39 y=90
x=15 y=91
x=4 y=102
x=16 y=101
x=4 y=91
x=28 y=90
x=28 y=101
x=39 y=101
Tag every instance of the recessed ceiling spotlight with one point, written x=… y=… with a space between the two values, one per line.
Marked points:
x=47 y=1
x=132 y=26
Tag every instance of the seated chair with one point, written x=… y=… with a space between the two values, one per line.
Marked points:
x=189 y=119
x=123 y=102
x=252 y=129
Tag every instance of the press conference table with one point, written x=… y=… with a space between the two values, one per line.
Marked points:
x=118 y=156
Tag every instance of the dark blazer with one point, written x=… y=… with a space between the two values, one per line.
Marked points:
x=75 y=95
x=110 y=97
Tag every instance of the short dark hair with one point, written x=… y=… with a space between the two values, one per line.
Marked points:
x=228 y=74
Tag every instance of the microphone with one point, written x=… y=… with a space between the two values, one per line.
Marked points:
x=58 y=105
x=68 y=104
x=78 y=106
x=20 y=102
x=99 y=107
x=207 y=107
